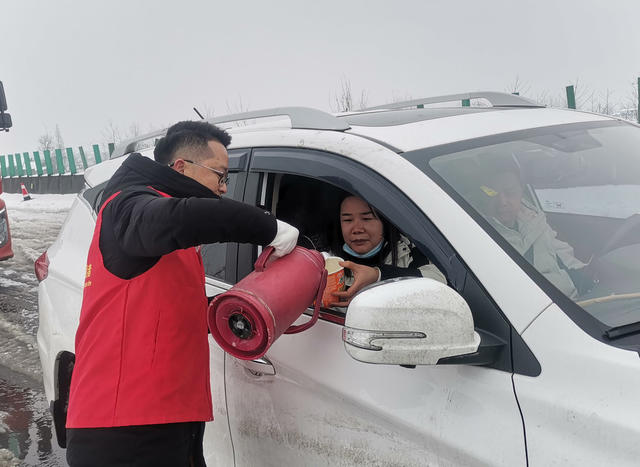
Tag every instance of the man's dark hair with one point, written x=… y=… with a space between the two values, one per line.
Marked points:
x=188 y=134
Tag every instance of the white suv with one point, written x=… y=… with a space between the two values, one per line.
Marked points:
x=554 y=294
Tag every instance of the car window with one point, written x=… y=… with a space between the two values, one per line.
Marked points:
x=274 y=165
x=214 y=255
x=314 y=208
x=94 y=196
x=567 y=200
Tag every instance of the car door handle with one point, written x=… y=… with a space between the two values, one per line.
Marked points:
x=259 y=366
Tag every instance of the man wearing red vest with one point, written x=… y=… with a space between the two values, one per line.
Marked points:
x=140 y=391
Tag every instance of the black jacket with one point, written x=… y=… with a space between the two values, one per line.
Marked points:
x=139 y=226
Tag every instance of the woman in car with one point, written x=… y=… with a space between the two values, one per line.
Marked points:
x=374 y=250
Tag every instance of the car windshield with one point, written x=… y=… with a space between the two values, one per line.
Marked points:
x=565 y=198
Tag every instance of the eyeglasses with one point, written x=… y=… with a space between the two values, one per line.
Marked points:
x=223 y=177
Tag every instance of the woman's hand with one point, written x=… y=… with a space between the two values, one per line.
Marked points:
x=362 y=276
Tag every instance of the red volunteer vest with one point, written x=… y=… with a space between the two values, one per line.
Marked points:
x=142 y=350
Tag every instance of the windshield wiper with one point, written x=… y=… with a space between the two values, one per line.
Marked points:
x=617 y=332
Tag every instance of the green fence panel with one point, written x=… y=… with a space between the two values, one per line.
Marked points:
x=83 y=157
x=27 y=163
x=59 y=161
x=96 y=153
x=12 y=166
x=19 y=168
x=466 y=102
x=571 y=97
x=3 y=167
x=112 y=147
x=72 y=161
x=47 y=161
x=36 y=159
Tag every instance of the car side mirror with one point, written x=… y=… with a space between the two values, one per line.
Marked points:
x=415 y=321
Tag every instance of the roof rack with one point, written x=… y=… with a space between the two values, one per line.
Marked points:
x=301 y=118
x=497 y=99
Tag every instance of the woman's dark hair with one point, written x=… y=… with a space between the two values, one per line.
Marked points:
x=390 y=234
x=188 y=134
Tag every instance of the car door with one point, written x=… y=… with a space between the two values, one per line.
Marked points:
x=219 y=261
x=308 y=403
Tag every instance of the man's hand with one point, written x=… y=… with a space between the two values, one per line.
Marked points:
x=362 y=277
x=285 y=240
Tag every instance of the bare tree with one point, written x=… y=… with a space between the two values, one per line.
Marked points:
x=111 y=133
x=59 y=140
x=364 y=100
x=398 y=97
x=134 y=130
x=519 y=87
x=631 y=108
x=584 y=95
x=237 y=107
x=51 y=142
x=604 y=105
x=45 y=142
x=558 y=100
x=343 y=100
x=207 y=111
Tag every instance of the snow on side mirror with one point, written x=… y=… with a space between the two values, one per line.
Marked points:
x=414 y=321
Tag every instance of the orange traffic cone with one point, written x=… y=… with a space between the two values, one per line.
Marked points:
x=25 y=193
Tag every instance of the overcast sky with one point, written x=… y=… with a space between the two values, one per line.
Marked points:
x=88 y=65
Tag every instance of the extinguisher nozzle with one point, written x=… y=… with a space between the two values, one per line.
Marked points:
x=240 y=326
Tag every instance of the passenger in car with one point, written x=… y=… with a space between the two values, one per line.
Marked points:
x=374 y=250
x=525 y=227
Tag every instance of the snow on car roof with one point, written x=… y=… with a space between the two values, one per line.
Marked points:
x=459 y=125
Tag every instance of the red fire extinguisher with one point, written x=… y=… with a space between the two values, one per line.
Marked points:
x=247 y=319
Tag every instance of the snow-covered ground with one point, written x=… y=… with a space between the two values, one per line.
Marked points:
x=35 y=223
x=34 y=226
x=25 y=424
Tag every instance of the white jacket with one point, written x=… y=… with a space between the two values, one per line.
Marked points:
x=533 y=231
x=404 y=248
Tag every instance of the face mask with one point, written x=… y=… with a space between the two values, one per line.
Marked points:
x=371 y=253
